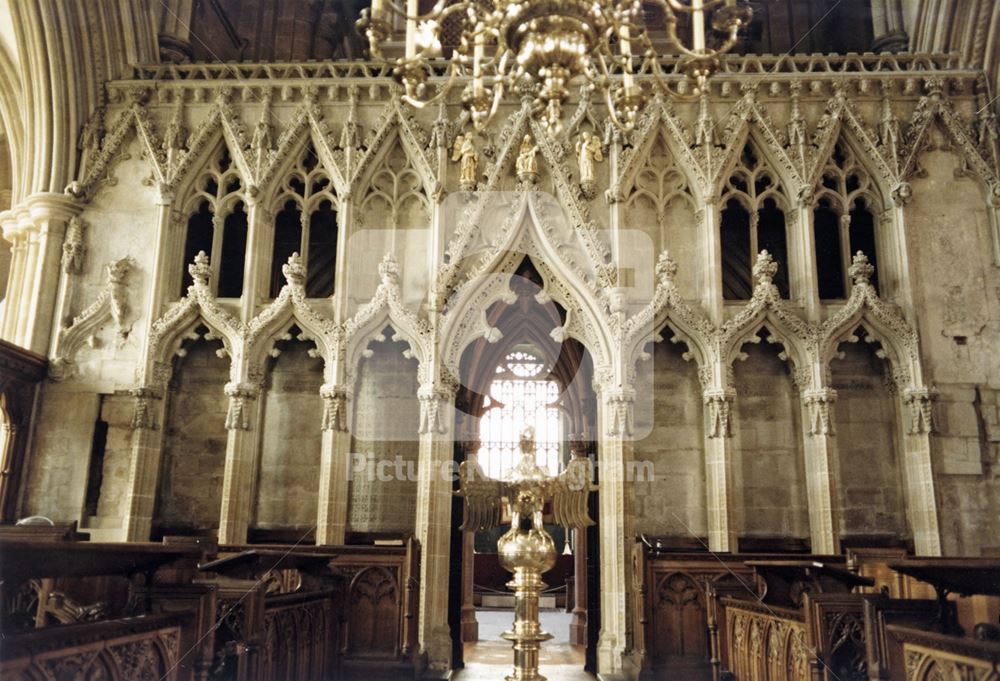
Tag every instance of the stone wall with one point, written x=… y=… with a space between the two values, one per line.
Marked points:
x=769 y=467
x=673 y=502
x=386 y=418
x=287 y=486
x=869 y=474
x=194 y=448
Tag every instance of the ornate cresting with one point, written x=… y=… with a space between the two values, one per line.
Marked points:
x=526 y=550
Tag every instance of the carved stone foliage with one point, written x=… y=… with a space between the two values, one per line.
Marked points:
x=74 y=248
x=111 y=306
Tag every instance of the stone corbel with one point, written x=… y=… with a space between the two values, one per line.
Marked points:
x=719 y=403
x=620 y=403
x=434 y=399
x=143 y=413
x=73 y=249
x=921 y=404
x=818 y=404
x=334 y=407
x=111 y=303
x=238 y=416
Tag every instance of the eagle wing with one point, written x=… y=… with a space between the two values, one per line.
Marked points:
x=483 y=498
x=569 y=495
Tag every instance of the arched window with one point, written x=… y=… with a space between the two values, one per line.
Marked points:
x=521 y=394
x=306 y=223
x=843 y=222
x=217 y=224
x=752 y=220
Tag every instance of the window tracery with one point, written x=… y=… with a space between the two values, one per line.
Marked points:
x=395 y=194
x=843 y=221
x=752 y=220
x=661 y=187
x=217 y=225
x=521 y=394
x=306 y=223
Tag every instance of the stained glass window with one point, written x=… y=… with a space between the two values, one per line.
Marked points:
x=520 y=395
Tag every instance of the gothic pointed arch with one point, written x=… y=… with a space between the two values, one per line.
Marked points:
x=486 y=283
x=291 y=308
x=882 y=322
x=768 y=310
x=386 y=308
x=199 y=306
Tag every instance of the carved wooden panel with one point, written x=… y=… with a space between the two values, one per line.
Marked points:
x=766 y=643
x=373 y=607
x=145 y=649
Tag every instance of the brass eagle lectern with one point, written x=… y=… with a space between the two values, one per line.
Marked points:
x=526 y=550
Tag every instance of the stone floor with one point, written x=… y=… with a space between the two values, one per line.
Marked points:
x=491 y=658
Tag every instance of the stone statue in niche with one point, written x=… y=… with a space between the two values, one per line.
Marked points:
x=589 y=154
x=527 y=163
x=466 y=154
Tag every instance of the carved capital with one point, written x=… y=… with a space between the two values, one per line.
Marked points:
x=143 y=414
x=240 y=395
x=818 y=404
x=434 y=400
x=719 y=405
x=334 y=407
x=921 y=404
x=619 y=404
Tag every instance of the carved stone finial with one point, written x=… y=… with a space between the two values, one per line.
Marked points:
x=200 y=270
x=765 y=268
x=118 y=269
x=294 y=270
x=388 y=269
x=861 y=270
x=666 y=268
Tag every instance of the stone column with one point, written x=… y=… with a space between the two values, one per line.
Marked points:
x=49 y=215
x=803 y=252
x=820 y=451
x=888 y=28
x=921 y=505
x=255 y=256
x=616 y=524
x=470 y=626
x=578 y=623
x=433 y=526
x=17 y=237
x=712 y=282
x=175 y=31
x=718 y=469
x=334 y=472
x=149 y=411
x=242 y=421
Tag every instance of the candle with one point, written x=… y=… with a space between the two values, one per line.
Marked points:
x=628 y=79
x=378 y=9
x=698 y=25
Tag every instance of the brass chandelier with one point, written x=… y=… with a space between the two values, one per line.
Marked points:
x=540 y=46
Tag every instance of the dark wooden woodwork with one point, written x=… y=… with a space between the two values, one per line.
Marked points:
x=880 y=611
x=118 y=650
x=20 y=373
x=787 y=581
x=930 y=656
x=34 y=559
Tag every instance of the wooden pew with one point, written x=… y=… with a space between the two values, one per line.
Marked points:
x=279 y=611
x=134 y=631
x=377 y=614
x=807 y=625
x=931 y=656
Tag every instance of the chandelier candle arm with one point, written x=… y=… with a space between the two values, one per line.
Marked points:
x=546 y=45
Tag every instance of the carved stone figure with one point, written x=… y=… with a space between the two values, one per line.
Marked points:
x=589 y=154
x=465 y=152
x=527 y=163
